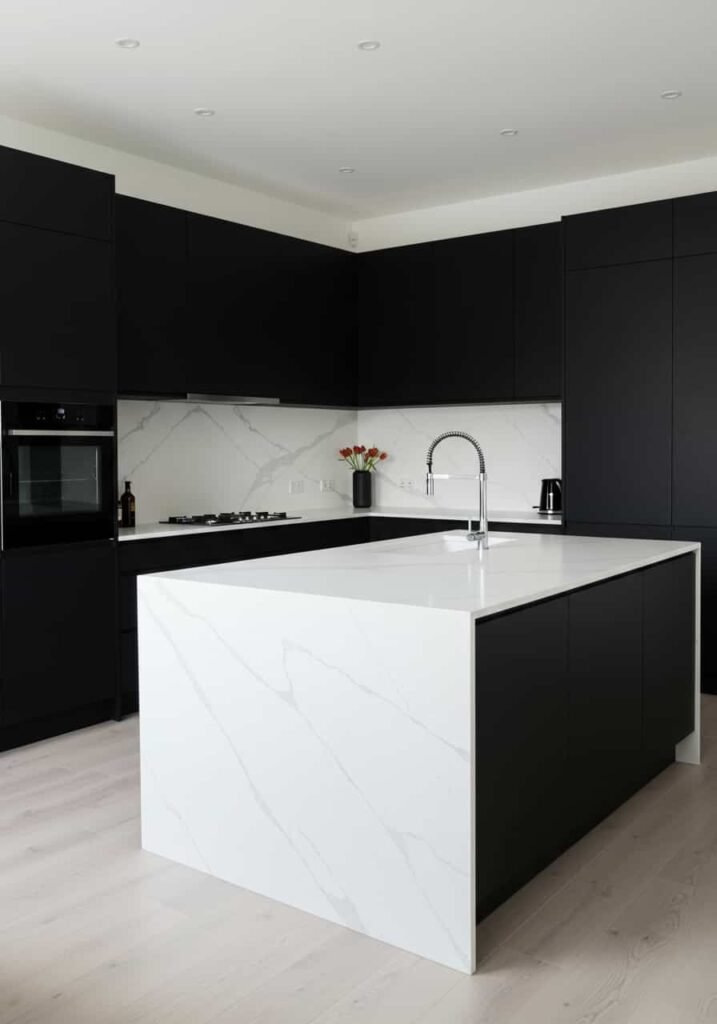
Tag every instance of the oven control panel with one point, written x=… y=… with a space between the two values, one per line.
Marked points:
x=56 y=416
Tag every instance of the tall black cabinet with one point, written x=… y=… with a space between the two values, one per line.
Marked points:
x=57 y=284
x=618 y=396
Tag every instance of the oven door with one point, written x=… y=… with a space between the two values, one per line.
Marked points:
x=57 y=487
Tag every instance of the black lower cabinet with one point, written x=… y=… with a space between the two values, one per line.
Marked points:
x=668 y=638
x=629 y=530
x=605 y=720
x=580 y=700
x=521 y=742
x=59 y=649
x=708 y=539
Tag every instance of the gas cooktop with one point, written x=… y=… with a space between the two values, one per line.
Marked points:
x=228 y=518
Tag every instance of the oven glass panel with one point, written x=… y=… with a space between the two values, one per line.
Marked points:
x=58 y=479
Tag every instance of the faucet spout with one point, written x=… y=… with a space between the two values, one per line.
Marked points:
x=481 y=535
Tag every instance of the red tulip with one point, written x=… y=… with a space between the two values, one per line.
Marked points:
x=383 y=455
x=372 y=453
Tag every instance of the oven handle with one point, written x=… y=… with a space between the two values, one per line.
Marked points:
x=60 y=433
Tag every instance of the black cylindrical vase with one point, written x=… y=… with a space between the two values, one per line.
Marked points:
x=362 y=488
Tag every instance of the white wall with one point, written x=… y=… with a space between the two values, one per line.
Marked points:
x=197 y=458
x=536 y=206
x=161 y=183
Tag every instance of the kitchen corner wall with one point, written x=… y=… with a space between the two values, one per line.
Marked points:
x=196 y=458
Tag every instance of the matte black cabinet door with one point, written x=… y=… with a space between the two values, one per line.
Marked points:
x=44 y=193
x=315 y=343
x=618 y=416
x=236 y=309
x=57 y=298
x=396 y=332
x=668 y=637
x=538 y=312
x=629 y=234
x=620 y=530
x=696 y=224
x=521 y=746
x=605 y=716
x=151 y=294
x=473 y=351
x=436 y=322
x=695 y=412
x=708 y=539
x=59 y=649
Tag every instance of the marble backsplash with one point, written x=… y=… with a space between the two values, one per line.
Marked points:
x=521 y=444
x=193 y=458
x=190 y=457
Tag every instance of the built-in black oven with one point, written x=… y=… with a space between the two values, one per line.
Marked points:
x=57 y=473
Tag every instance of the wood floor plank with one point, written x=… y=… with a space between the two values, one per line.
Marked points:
x=619 y=930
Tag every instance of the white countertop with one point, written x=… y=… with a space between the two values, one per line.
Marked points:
x=444 y=570
x=156 y=531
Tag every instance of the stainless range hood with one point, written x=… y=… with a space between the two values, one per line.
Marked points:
x=232 y=399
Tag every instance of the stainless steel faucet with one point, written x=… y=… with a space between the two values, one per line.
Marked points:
x=481 y=534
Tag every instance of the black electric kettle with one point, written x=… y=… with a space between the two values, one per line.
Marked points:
x=551 y=496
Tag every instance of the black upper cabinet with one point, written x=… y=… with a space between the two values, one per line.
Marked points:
x=618 y=433
x=436 y=322
x=538 y=312
x=472 y=349
x=50 y=194
x=233 y=309
x=57 y=298
x=273 y=314
x=630 y=234
x=59 y=648
x=695 y=416
x=396 y=326
x=316 y=333
x=696 y=224
x=151 y=298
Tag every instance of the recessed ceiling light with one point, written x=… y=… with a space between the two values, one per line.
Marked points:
x=508 y=133
x=369 y=44
x=670 y=94
x=127 y=44
x=346 y=170
x=204 y=112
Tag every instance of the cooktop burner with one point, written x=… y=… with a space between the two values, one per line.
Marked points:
x=228 y=518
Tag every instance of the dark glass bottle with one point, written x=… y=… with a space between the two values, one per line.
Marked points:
x=127 y=502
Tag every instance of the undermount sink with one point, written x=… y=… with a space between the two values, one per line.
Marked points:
x=460 y=542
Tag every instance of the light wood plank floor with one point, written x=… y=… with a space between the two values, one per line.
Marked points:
x=621 y=930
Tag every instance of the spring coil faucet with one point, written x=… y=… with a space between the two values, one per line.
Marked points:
x=481 y=534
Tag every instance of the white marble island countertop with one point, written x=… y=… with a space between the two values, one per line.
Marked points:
x=444 y=570
x=309 y=720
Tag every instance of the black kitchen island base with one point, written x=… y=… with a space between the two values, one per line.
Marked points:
x=581 y=700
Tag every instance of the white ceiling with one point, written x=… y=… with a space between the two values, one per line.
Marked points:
x=419 y=119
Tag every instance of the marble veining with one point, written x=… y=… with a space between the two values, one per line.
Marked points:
x=521 y=442
x=444 y=570
x=317 y=775
x=308 y=720
x=198 y=457
x=194 y=457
